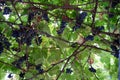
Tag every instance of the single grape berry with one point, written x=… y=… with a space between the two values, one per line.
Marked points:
x=68 y=70
x=100 y=28
x=1 y=48
x=22 y=59
x=116 y=54
x=89 y=37
x=45 y=16
x=114 y=48
x=91 y=69
x=16 y=64
x=41 y=71
x=62 y=27
x=60 y=31
x=10 y=75
x=30 y=16
x=16 y=33
x=38 y=66
x=82 y=16
x=22 y=74
x=63 y=24
x=116 y=42
x=75 y=27
x=38 y=40
x=7 y=10
x=6 y=44
x=110 y=15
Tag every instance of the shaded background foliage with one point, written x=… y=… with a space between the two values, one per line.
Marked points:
x=59 y=39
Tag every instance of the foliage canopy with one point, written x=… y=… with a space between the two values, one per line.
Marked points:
x=59 y=39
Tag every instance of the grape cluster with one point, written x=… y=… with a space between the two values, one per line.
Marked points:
x=68 y=70
x=7 y=10
x=79 y=20
x=91 y=69
x=39 y=69
x=62 y=27
x=97 y=30
x=4 y=43
x=24 y=35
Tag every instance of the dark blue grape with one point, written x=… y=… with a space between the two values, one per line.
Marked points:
x=100 y=28
x=116 y=42
x=7 y=10
x=45 y=16
x=38 y=66
x=28 y=41
x=41 y=71
x=62 y=27
x=30 y=16
x=68 y=70
x=60 y=31
x=89 y=37
x=16 y=33
x=17 y=64
x=22 y=59
x=114 y=48
x=82 y=16
x=63 y=24
x=79 y=20
x=7 y=44
x=110 y=15
x=38 y=40
x=10 y=75
x=1 y=48
x=116 y=53
x=91 y=69
x=4 y=43
x=75 y=28
x=22 y=74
